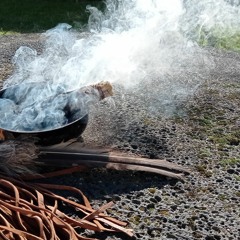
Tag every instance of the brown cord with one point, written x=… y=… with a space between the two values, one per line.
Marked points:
x=30 y=212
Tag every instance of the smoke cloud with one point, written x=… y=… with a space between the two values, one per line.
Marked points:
x=150 y=46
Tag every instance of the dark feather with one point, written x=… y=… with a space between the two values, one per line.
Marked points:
x=17 y=157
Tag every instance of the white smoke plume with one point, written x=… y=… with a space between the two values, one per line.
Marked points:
x=134 y=43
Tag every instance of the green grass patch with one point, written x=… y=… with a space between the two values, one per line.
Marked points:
x=7 y=32
x=222 y=197
x=238 y=194
x=229 y=139
x=230 y=161
x=205 y=122
x=39 y=15
x=237 y=177
x=228 y=39
x=204 y=153
x=203 y=169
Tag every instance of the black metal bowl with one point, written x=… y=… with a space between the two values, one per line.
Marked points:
x=73 y=129
x=54 y=136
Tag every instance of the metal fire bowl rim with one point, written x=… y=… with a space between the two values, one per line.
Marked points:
x=42 y=131
x=35 y=131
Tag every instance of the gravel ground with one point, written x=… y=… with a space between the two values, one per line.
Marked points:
x=203 y=134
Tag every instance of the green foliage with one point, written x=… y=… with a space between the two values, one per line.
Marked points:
x=40 y=15
x=237 y=177
x=228 y=39
x=230 y=161
x=203 y=169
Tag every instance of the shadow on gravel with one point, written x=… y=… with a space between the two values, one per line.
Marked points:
x=125 y=188
x=101 y=184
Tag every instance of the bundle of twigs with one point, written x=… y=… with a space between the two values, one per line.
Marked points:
x=31 y=211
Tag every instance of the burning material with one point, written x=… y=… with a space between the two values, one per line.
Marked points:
x=58 y=118
x=22 y=111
